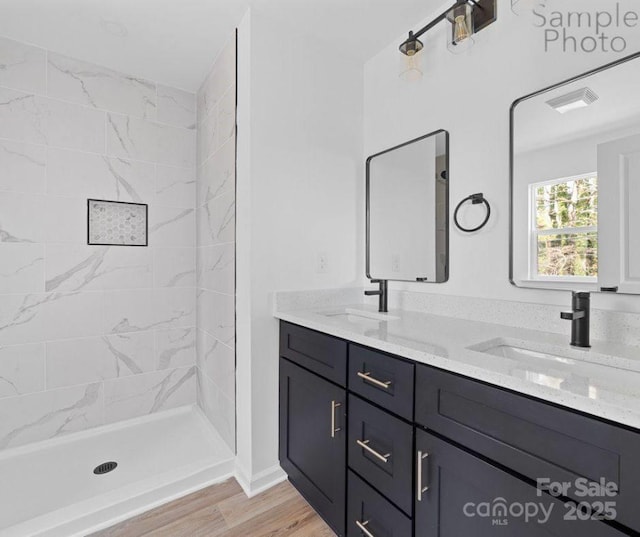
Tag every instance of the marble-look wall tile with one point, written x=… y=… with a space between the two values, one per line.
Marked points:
x=129 y=311
x=141 y=395
x=23 y=167
x=86 y=175
x=175 y=348
x=176 y=147
x=207 y=138
x=220 y=410
x=216 y=220
x=22 y=66
x=35 y=119
x=222 y=76
x=138 y=139
x=215 y=202
x=72 y=315
x=70 y=126
x=174 y=267
x=21 y=319
x=226 y=118
x=147 y=309
x=218 y=362
x=21 y=369
x=65 y=220
x=21 y=117
x=172 y=227
x=176 y=107
x=34 y=318
x=49 y=414
x=81 y=361
x=175 y=307
x=21 y=268
x=216 y=268
x=85 y=83
x=218 y=174
x=175 y=187
x=216 y=315
x=21 y=218
x=81 y=267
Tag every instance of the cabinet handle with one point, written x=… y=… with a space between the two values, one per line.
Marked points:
x=421 y=490
x=334 y=405
x=367 y=376
x=363 y=529
x=364 y=444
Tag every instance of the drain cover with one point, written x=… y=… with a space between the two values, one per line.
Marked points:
x=105 y=468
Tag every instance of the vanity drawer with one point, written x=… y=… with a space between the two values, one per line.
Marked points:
x=380 y=378
x=320 y=353
x=369 y=509
x=533 y=438
x=380 y=448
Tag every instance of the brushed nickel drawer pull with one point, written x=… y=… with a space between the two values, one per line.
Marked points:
x=363 y=529
x=334 y=405
x=421 y=490
x=367 y=376
x=364 y=444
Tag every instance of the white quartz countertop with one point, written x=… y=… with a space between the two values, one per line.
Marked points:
x=603 y=381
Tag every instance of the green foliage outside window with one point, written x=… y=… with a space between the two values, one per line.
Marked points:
x=566 y=228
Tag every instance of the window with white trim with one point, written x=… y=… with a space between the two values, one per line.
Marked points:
x=564 y=229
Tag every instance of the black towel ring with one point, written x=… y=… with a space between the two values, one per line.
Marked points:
x=475 y=199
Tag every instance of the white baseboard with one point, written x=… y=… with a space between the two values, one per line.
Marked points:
x=261 y=481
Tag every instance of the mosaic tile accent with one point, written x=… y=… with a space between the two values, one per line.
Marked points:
x=117 y=223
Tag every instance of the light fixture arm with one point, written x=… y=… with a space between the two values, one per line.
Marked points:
x=486 y=14
x=434 y=22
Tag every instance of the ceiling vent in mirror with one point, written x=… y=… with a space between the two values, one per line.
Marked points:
x=573 y=101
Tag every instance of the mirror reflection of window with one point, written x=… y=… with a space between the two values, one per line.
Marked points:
x=564 y=229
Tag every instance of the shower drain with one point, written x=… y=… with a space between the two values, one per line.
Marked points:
x=105 y=468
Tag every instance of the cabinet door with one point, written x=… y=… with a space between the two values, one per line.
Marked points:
x=533 y=438
x=458 y=494
x=313 y=440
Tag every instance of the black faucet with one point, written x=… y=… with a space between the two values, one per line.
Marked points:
x=381 y=293
x=579 y=317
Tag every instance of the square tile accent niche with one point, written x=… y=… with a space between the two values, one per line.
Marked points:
x=116 y=223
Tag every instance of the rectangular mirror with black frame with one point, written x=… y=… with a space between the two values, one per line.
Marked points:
x=575 y=183
x=408 y=211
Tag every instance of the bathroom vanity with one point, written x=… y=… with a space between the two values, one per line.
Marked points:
x=442 y=438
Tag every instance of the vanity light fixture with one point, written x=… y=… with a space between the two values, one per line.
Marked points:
x=573 y=101
x=410 y=48
x=467 y=17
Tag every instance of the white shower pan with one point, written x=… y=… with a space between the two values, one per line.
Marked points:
x=49 y=489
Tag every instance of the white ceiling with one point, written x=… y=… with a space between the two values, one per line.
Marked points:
x=175 y=41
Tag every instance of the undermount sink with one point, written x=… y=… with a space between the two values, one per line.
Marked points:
x=357 y=316
x=528 y=352
x=522 y=353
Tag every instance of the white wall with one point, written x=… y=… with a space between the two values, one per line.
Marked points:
x=470 y=96
x=300 y=193
x=91 y=334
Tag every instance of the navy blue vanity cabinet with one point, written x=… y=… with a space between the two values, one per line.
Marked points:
x=386 y=447
x=460 y=495
x=535 y=439
x=313 y=440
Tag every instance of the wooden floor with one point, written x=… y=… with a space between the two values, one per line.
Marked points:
x=224 y=511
